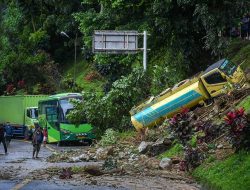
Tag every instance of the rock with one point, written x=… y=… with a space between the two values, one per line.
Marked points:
x=82 y=157
x=143 y=147
x=160 y=146
x=152 y=163
x=220 y=146
x=121 y=155
x=133 y=157
x=166 y=163
x=103 y=153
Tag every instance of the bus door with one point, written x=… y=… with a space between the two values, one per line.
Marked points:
x=53 y=125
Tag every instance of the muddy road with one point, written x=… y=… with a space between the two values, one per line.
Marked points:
x=20 y=171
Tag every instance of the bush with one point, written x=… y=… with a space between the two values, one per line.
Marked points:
x=239 y=129
x=112 y=109
x=180 y=126
x=192 y=158
x=109 y=138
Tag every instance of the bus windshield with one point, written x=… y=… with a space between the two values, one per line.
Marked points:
x=228 y=67
x=66 y=106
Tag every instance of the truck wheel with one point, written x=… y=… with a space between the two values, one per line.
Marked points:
x=209 y=102
x=89 y=142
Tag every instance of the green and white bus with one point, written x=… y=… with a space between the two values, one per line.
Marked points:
x=52 y=115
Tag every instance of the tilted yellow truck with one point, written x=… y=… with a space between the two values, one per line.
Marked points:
x=188 y=93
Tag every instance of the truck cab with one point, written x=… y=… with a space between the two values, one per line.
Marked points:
x=31 y=117
x=221 y=74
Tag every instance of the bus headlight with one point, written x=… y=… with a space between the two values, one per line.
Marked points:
x=82 y=134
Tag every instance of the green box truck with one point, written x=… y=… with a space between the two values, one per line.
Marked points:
x=20 y=112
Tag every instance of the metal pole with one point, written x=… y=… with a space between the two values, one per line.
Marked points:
x=75 y=62
x=145 y=50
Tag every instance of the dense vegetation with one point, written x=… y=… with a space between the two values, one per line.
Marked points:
x=185 y=36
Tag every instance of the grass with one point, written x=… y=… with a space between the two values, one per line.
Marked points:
x=174 y=151
x=232 y=173
x=127 y=134
x=239 y=51
x=245 y=104
x=82 y=68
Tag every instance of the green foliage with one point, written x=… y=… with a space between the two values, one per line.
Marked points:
x=112 y=109
x=231 y=173
x=110 y=137
x=69 y=84
x=127 y=134
x=245 y=104
x=175 y=151
x=168 y=69
x=240 y=53
x=193 y=141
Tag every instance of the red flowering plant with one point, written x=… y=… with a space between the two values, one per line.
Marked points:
x=206 y=131
x=21 y=84
x=93 y=75
x=239 y=129
x=10 y=89
x=180 y=127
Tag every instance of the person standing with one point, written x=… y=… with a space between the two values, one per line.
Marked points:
x=37 y=140
x=9 y=133
x=45 y=136
x=2 y=138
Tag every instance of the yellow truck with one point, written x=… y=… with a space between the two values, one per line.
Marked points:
x=189 y=93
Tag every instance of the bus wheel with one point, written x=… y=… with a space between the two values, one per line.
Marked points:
x=89 y=142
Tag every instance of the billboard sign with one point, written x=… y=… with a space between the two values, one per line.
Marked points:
x=117 y=42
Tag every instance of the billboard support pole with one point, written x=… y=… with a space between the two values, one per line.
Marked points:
x=145 y=50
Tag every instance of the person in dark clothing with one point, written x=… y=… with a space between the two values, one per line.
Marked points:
x=37 y=140
x=2 y=138
x=9 y=133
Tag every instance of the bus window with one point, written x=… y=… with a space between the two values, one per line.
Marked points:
x=66 y=106
x=51 y=114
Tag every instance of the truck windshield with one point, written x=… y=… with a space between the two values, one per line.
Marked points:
x=32 y=113
x=66 y=106
x=228 y=67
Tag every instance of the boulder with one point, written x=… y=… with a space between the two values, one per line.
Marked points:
x=160 y=146
x=166 y=163
x=82 y=157
x=103 y=153
x=152 y=163
x=144 y=146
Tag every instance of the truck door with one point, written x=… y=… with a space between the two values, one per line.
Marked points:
x=214 y=82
